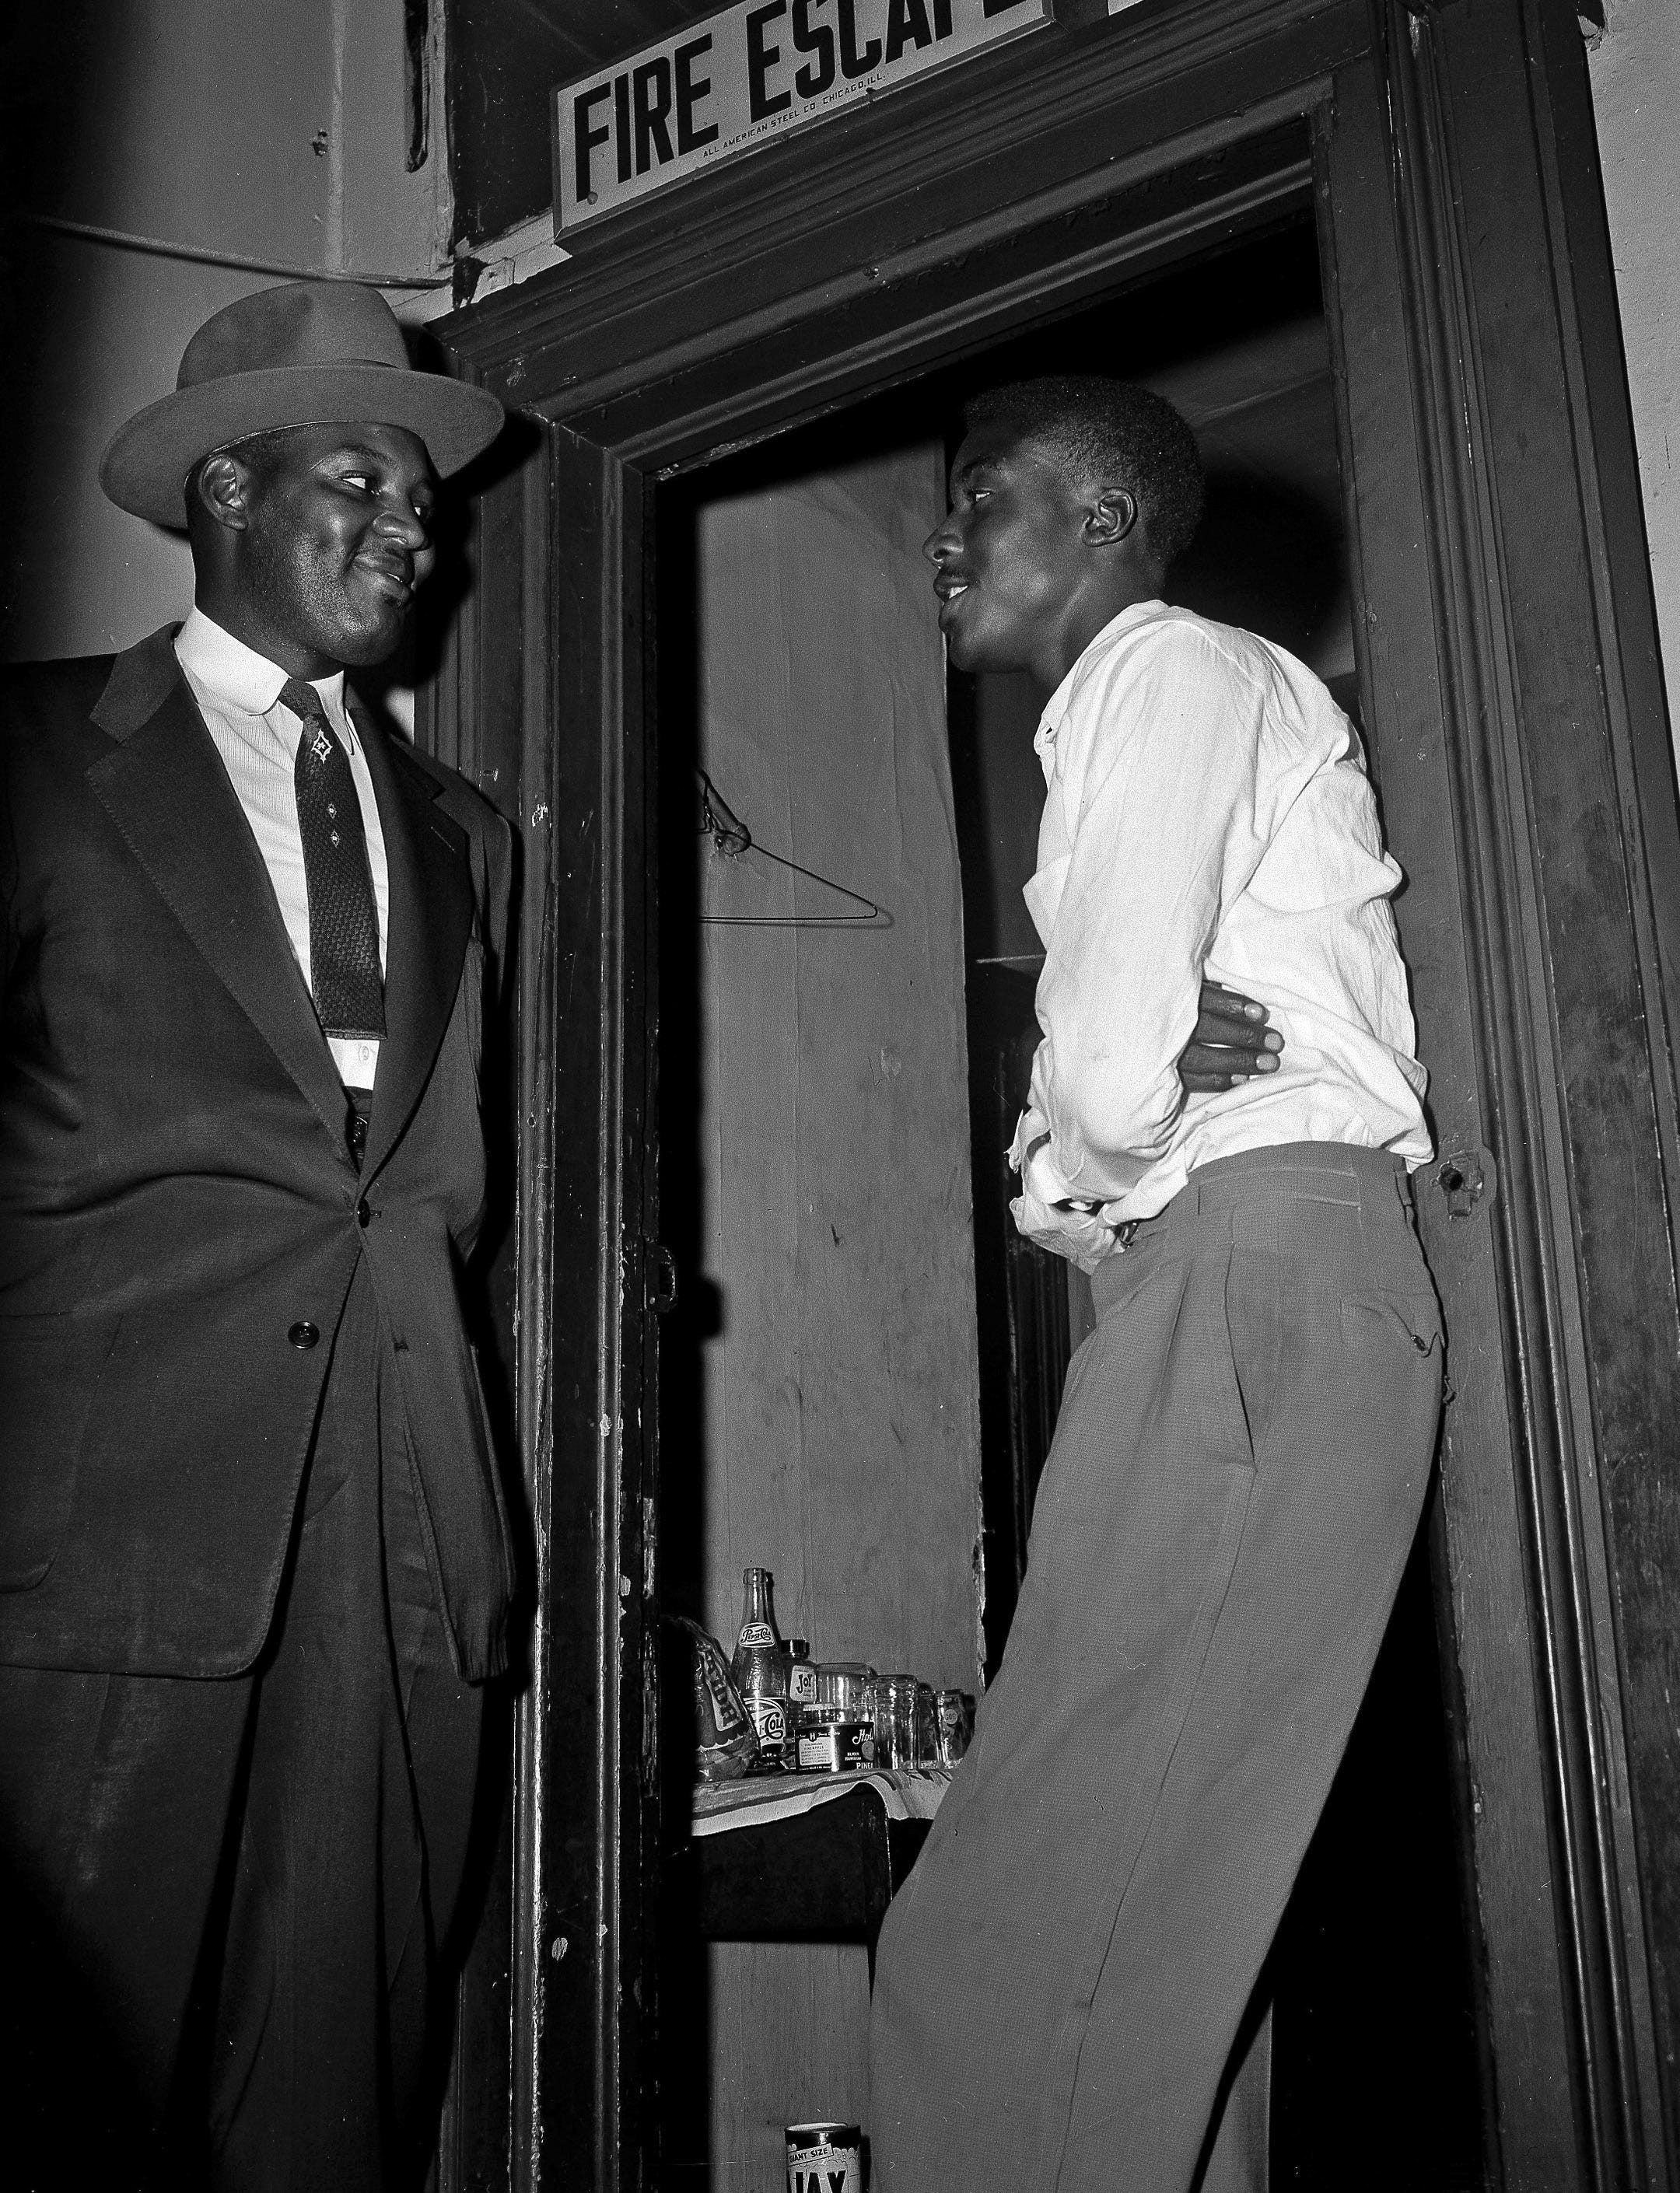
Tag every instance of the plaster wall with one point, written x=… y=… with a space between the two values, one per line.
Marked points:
x=278 y=134
x=1635 y=70
x=840 y=1424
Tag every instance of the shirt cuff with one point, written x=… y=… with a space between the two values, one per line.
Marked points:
x=1041 y=1178
x=1085 y=1238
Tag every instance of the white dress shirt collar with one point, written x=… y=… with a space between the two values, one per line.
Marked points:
x=1056 y=705
x=257 y=735
x=239 y=675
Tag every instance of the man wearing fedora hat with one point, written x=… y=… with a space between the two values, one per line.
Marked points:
x=255 y=1562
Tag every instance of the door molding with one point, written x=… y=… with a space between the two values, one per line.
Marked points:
x=1574 y=866
x=1538 y=1710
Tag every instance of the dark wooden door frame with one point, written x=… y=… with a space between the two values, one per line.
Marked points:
x=1565 y=813
x=1507 y=639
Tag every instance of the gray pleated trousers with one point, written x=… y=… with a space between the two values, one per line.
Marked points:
x=1234 y=1485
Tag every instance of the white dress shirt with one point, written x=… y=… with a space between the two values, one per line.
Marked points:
x=238 y=693
x=1209 y=813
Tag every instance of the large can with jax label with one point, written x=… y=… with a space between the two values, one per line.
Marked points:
x=825 y=2158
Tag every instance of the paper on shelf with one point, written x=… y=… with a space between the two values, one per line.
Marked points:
x=906 y=1795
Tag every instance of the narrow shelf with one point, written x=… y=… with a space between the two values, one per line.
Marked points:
x=826 y=1873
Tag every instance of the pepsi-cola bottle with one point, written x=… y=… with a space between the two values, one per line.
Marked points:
x=760 y=1671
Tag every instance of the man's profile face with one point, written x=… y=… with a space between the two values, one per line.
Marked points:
x=339 y=538
x=1009 y=559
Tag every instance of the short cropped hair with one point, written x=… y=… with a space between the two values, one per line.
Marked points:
x=1112 y=431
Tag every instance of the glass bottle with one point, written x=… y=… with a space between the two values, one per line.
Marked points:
x=760 y=1669
x=926 y=1727
x=951 y=1706
x=894 y=1697
x=801 y=1679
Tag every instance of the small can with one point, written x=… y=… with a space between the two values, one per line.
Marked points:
x=837 y=1734
x=825 y=2158
x=837 y=1747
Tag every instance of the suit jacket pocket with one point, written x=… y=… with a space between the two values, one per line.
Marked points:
x=473 y=1000
x=50 y=1367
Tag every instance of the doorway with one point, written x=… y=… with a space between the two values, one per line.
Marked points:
x=817 y=1410
x=846 y=965
x=863 y=260
x=1373 y=1968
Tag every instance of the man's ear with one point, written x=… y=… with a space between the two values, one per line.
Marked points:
x=1112 y=518
x=222 y=488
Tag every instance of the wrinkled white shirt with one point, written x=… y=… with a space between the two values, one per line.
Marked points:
x=1208 y=813
x=238 y=694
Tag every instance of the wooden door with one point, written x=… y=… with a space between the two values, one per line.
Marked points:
x=1518 y=739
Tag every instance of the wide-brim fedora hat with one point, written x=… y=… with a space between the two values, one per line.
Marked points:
x=305 y=354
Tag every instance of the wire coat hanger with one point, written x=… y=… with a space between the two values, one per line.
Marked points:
x=731 y=838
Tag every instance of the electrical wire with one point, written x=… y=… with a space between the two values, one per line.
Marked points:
x=159 y=248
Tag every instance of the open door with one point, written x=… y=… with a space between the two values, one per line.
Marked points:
x=1507 y=687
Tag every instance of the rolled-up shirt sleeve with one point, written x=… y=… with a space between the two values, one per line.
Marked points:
x=1157 y=761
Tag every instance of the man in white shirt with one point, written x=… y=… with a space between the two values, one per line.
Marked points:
x=255 y=1568
x=1065 y=1992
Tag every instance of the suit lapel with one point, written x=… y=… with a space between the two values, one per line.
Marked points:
x=429 y=919
x=166 y=790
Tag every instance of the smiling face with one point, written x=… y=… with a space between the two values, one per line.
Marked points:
x=323 y=536
x=1010 y=560
x=1035 y=558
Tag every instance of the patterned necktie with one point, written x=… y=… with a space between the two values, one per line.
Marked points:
x=343 y=919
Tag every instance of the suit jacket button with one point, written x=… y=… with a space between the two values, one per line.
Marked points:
x=362 y=1214
x=303 y=1334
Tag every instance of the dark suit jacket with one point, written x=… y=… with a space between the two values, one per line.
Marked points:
x=177 y=1199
